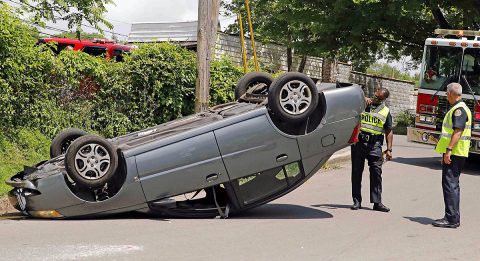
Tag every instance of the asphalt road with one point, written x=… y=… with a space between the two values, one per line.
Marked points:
x=312 y=223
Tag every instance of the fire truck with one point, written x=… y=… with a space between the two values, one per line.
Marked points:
x=454 y=56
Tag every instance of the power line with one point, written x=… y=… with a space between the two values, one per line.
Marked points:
x=228 y=18
x=113 y=20
x=88 y=26
x=52 y=35
x=46 y=26
x=25 y=4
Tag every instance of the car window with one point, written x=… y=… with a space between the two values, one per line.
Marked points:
x=63 y=46
x=95 y=50
x=261 y=185
x=118 y=55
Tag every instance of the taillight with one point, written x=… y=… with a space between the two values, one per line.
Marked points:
x=356 y=131
x=477 y=116
x=427 y=108
x=476 y=119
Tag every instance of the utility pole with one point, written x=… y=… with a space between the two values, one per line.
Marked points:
x=208 y=12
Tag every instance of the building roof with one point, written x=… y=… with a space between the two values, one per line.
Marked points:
x=163 y=32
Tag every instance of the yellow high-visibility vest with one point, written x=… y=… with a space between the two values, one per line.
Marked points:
x=373 y=121
x=463 y=146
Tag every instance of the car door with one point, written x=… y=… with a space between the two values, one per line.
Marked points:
x=181 y=167
x=256 y=155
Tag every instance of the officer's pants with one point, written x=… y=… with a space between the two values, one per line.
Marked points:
x=373 y=153
x=451 y=188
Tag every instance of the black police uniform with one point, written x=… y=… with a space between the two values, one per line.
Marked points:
x=451 y=173
x=369 y=147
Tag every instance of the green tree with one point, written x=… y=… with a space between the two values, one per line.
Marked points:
x=358 y=30
x=387 y=70
x=281 y=21
x=75 y=12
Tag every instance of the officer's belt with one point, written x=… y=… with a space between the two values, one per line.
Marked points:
x=370 y=138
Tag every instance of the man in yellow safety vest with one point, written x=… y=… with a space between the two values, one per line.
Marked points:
x=376 y=123
x=454 y=145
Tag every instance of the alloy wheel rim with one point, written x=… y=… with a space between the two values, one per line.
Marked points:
x=92 y=161
x=295 y=97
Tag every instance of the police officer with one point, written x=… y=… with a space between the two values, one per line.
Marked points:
x=454 y=145
x=376 y=122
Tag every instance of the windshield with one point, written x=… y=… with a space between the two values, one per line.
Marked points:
x=471 y=69
x=440 y=63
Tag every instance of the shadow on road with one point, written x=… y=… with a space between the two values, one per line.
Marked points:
x=431 y=163
x=472 y=167
x=283 y=211
x=269 y=211
x=332 y=206
x=421 y=220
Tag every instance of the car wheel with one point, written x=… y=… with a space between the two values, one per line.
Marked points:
x=91 y=161
x=62 y=141
x=293 y=97
x=259 y=80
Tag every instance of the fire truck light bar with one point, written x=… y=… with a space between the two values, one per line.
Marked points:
x=457 y=32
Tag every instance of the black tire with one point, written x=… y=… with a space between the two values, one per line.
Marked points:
x=62 y=141
x=304 y=101
x=250 y=80
x=94 y=151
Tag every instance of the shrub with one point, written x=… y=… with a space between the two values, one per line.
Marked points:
x=41 y=93
x=224 y=75
x=405 y=119
x=155 y=84
x=25 y=70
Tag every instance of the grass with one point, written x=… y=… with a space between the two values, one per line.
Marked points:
x=22 y=148
x=328 y=167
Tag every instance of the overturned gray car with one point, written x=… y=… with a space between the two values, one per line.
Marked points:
x=232 y=158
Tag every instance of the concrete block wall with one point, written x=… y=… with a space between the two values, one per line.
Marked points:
x=344 y=71
x=401 y=92
x=273 y=56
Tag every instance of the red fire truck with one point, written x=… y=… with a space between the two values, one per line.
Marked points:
x=454 y=56
x=96 y=47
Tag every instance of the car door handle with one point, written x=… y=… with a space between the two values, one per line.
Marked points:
x=282 y=157
x=211 y=177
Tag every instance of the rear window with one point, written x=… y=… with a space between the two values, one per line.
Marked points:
x=95 y=50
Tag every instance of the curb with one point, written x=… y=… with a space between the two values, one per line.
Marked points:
x=339 y=158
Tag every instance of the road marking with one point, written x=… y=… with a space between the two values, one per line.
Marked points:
x=81 y=251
